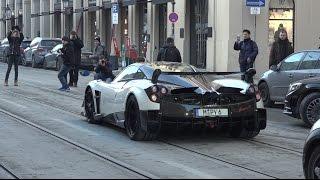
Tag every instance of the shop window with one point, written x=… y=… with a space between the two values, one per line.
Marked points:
x=281 y=15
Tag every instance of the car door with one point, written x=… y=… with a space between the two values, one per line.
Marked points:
x=281 y=79
x=309 y=66
x=111 y=99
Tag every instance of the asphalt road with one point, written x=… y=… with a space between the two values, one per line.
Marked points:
x=43 y=135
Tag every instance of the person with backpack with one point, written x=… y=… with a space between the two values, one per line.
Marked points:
x=248 y=51
x=74 y=72
x=15 y=38
x=67 y=54
x=169 y=52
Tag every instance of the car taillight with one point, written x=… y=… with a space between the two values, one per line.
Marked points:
x=156 y=92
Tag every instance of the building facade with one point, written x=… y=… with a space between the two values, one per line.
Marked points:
x=204 y=32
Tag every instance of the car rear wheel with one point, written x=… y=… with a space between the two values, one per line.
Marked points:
x=265 y=95
x=243 y=131
x=310 y=109
x=313 y=166
x=133 y=122
x=90 y=107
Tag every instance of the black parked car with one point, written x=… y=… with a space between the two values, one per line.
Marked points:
x=311 y=154
x=303 y=100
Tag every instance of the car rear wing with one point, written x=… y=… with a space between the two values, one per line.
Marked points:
x=247 y=76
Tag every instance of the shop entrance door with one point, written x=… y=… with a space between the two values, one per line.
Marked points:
x=198 y=35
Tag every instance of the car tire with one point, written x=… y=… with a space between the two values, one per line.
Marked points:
x=313 y=164
x=24 y=62
x=242 y=131
x=265 y=95
x=133 y=122
x=310 y=109
x=90 y=107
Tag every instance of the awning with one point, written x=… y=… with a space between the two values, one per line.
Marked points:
x=161 y=1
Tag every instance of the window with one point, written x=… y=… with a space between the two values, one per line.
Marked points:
x=281 y=16
x=310 y=61
x=292 y=62
x=128 y=74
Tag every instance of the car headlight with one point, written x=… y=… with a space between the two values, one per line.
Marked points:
x=294 y=87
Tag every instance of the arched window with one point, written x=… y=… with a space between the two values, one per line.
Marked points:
x=281 y=15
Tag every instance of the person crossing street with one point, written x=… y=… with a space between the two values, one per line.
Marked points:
x=67 y=54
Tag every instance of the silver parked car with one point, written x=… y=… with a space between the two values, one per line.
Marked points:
x=275 y=83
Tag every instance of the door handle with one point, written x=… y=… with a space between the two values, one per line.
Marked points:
x=290 y=75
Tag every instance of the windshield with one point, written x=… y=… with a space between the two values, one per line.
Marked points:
x=50 y=43
x=25 y=44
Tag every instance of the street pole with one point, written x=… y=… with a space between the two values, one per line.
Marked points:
x=173 y=26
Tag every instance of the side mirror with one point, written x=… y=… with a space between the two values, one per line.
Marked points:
x=155 y=76
x=274 y=68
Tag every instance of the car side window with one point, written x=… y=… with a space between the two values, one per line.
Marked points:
x=310 y=61
x=127 y=74
x=292 y=62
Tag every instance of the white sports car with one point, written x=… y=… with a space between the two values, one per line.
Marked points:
x=144 y=97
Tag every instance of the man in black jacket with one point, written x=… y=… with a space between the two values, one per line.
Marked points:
x=248 y=51
x=74 y=72
x=103 y=70
x=169 y=52
x=15 y=38
x=67 y=54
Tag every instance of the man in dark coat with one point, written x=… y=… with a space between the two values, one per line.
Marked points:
x=280 y=49
x=248 y=51
x=103 y=70
x=15 y=38
x=77 y=46
x=169 y=52
x=67 y=54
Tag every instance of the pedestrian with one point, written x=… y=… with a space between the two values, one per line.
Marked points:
x=248 y=51
x=77 y=46
x=99 y=50
x=277 y=33
x=169 y=52
x=15 y=38
x=280 y=49
x=67 y=55
x=104 y=71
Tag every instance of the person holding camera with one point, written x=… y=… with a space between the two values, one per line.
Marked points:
x=67 y=54
x=103 y=70
x=15 y=38
x=74 y=72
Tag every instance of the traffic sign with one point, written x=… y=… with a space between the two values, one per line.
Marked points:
x=256 y=3
x=255 y=10
x=173 y=17
x=115 y=14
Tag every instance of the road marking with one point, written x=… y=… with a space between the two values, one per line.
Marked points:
x=14 y=103
x=196 y=172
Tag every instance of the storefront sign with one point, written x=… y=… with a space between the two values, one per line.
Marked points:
x=255 y=10
x=115 y=14
x=256 y=3
x=173 y=17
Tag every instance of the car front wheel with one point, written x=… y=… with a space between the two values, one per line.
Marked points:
x=310 y=109
x=265 y=95
x=90 y=107
x=313 y=166
x=133 y=122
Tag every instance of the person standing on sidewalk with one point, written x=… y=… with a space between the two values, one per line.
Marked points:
x=98 y=50
x=74 y=72
x=280 y=49
x=169 y=52
x=67 y=54
x=15 y=38
x=248 y=51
